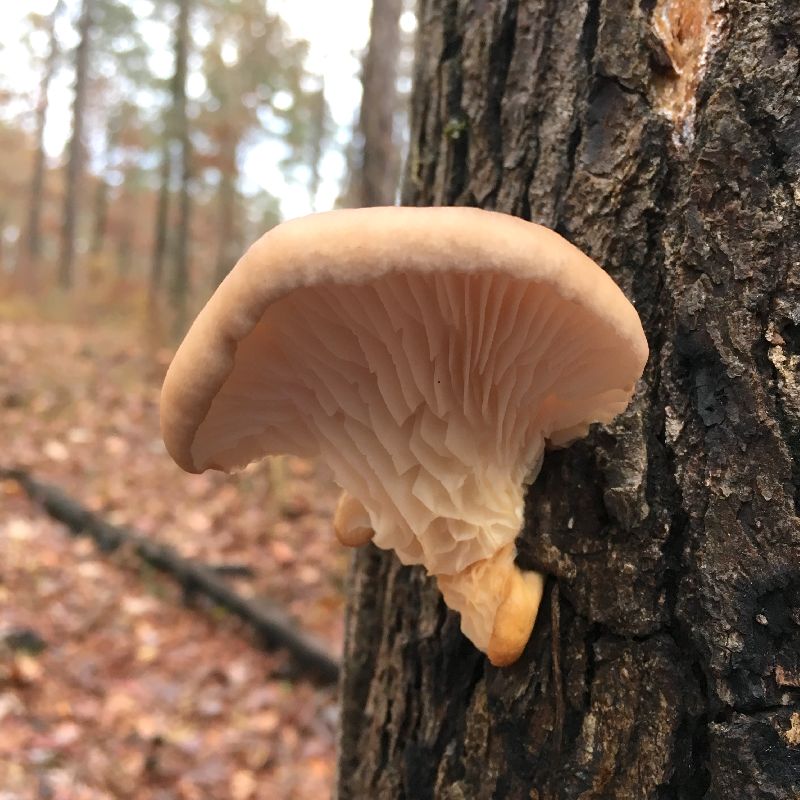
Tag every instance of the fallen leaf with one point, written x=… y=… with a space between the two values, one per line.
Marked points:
x=243 y=784
x=55 y=450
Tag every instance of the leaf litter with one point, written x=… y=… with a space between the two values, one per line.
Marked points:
x=129 y=693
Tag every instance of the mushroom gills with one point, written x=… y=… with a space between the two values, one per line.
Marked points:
x=431 y=396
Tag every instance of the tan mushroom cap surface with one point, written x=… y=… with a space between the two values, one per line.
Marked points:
x=427 y=354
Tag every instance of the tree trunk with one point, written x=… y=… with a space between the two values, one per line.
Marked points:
x=379 y=162
x=101 y=192
x=127 y=214
x=100 y=216
x=180 y=275
x=662 y=138
x=162 y=217
x=33 y=238
x=3 y=222
x=76 y=153
x=319 y=141
x=227 y=241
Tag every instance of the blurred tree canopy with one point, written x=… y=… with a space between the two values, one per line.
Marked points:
x=167 y=100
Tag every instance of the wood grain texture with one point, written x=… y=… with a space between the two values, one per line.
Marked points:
x=673 y=534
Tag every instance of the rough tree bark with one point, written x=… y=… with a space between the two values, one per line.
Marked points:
x=662 y=137
x=76 y=150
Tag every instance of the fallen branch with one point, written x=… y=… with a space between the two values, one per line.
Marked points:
x=276 y=630
x=232 y=570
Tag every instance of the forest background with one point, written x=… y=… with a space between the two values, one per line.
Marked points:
x=143 y=146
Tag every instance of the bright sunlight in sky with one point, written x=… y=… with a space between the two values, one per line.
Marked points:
x=336 y=32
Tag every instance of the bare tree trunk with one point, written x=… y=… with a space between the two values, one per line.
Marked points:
x=33 y=237
x=661 y=137
x=101 y=192
x=227 y=243
x=124 y=250
x=125 y=230
x=377 y=173
x=162 y=219
x=3 y=248
x=180 y=276
x=100 y=215
x=76 y=152
x=319 y=137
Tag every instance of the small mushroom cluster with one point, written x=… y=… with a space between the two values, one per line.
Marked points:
x=428 y=355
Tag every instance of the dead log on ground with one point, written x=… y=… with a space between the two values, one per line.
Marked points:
x=309 y=658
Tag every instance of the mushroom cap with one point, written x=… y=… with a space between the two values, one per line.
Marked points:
x=426 y=353
x=361 y=245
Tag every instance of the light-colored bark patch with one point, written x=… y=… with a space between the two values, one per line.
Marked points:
x=688 y=31
x=792 y=736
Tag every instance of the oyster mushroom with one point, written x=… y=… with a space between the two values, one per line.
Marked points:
x=427 y=354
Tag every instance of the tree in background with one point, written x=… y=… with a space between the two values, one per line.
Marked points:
x=318 y=139
x=661 y=138
x=256 y=88
x=141 y=144
x=119 y=74
x=32 y=236
x=373 y=156
x=76 y=148
x=131 y=142
x=15 y=157
x=179 y=286
x=377 y=168
x=225 y=128
x=162 y=216
x=137 y=134
x=254 y=75
x=109 y=63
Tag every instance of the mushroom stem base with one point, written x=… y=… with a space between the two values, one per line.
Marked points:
x=498 y=603
x=515 y=617
x=351 y=522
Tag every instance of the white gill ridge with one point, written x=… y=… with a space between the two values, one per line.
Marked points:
x=429 y=395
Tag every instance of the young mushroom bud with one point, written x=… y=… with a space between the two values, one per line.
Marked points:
x=351 y=522
x=428 y=355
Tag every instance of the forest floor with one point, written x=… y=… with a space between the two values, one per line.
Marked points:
x=111 y=686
